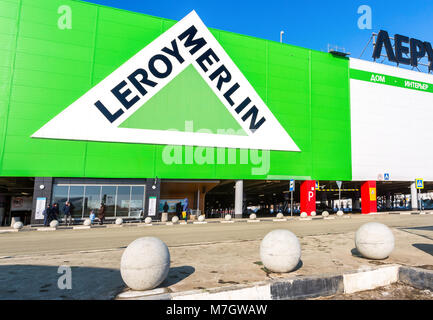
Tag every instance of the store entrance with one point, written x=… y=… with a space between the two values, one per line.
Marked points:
x=16 y=198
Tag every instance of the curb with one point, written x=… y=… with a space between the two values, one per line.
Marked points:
x=416 y=212
x=46 y=229
x=82 y=227
x=9 y=230
x=308 y=287
x=416 y=277
x=371 y=279
x=298 y=288
x=75 y=227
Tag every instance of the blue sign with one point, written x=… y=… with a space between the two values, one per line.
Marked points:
x=419 y=183
x=386 y=176
x=292 y=185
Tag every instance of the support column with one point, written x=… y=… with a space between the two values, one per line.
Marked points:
x=414 y=196
x=2 y=209
x=355 y=203
x=152 y=196
x=388 y=203
x=308 y=196
x=198 y=200
x=42 y=192
x=368 y=197
x=239 y=198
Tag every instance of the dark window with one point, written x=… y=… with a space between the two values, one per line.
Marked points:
x=92 y=199
x=123 y=199
x=76 y=194
x=137 y=203
x=109 y=199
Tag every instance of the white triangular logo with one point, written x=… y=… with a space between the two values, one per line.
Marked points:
x=96 y=116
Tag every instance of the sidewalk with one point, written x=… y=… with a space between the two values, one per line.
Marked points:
x=203 y=265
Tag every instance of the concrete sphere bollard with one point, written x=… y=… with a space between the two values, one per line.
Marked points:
x=374 y=240
x=280 y=215
x=87 y=222
x=253 y=216
x=175 y=219
x=325 y=214
x=201 y=218
x=145 y=263
x=14 y=220
x=119 y=221
x=304 y=215
x=228 y=217
x=280 y=251
x=54 y=224
x=18 y=225
x=148 y=220
x=340 y=213
x=313 y=213
x=164 y=217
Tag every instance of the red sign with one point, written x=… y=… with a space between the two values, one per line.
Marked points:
x=308 y=196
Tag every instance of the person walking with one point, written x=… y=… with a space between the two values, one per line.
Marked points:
x=67 y=209
x=185 y=210
x=179 y=210
x=165 y=208
x=47 y=214
x=92 y=216
x=101 y=213
x=54 y=212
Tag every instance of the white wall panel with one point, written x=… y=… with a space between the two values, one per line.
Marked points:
x=392 y=127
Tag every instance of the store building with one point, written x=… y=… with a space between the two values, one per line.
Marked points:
x=134 y=110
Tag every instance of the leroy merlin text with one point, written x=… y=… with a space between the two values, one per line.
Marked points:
x=160 y=66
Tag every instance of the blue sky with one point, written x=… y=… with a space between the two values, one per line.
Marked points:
x=309 y=24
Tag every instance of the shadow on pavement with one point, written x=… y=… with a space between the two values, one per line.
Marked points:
x=356 y=253
x=427 y=248
x=427 y=228
x=177 y=274
x=298 y=266
x=34 y=282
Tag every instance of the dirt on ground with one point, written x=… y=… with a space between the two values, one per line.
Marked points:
x=395 y=291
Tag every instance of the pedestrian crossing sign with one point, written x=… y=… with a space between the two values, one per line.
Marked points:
x=373 y=194
x=419 y=183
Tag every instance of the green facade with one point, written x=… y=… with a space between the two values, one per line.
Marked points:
x=44 y=69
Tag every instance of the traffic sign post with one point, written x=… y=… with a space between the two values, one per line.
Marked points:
x=339 y=184
x=292 y=185
x=291 y=189
x=419 y=183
